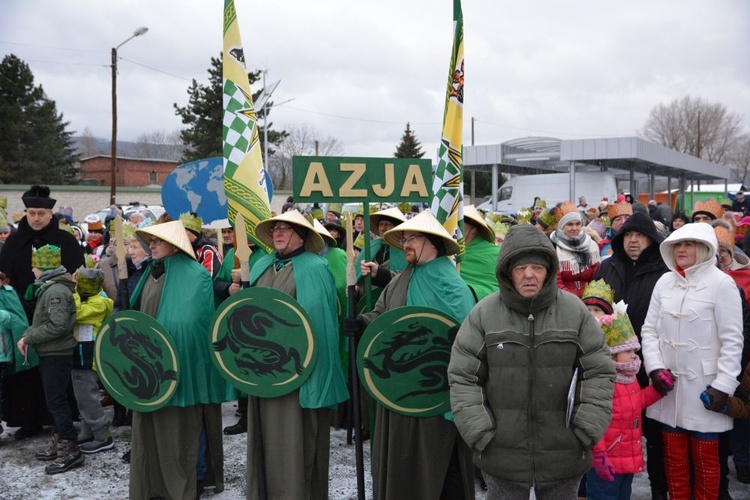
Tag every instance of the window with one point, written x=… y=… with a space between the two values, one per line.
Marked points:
x=152 y=177
x=505 y=193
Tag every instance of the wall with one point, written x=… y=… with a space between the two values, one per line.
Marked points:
x=90 y=199
x=130 y=172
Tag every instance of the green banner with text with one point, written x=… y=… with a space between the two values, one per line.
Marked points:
x=344 y=179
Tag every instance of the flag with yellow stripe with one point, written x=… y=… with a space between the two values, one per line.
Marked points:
x=244 y=177
x=447 y=202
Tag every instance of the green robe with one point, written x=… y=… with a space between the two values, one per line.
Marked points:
x=478 y=267
x=12 y=326
x=186 y=311
x=337 y=265
x=316 y=292
x=411 y=455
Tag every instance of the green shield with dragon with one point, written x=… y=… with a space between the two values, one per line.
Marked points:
x=137 y=361
x=263 y=342
x=403 y=358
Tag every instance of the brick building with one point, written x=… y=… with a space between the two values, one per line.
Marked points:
x=131 y=172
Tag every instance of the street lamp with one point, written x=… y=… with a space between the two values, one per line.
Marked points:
x=113 y=188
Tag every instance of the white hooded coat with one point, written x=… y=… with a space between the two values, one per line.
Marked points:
x=694 y=328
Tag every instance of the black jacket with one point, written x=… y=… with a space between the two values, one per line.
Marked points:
x=15 y=256
x=634 y=281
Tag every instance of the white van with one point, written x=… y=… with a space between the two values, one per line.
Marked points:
x=519 y=192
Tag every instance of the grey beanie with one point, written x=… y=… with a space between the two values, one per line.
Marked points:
x=530 y=258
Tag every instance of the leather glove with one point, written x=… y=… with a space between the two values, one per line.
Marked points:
x=657 y=380
x=603 y=466
x=353 y=326
x=714 y=399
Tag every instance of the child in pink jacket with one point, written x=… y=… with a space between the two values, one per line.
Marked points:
x=619 y=455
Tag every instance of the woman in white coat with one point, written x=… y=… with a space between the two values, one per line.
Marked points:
x=693 y=328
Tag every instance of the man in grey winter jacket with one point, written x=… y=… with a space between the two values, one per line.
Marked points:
x=514 y=360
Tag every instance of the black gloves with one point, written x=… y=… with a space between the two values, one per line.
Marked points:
x=353 y=326
x=714 y=399
x=662 y=380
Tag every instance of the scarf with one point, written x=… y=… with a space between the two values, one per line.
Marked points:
x=579 y=249
x=626 y=372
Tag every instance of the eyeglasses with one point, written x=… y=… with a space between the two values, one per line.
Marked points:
x=724 y=252
x=281 y=229
x=411 y=239
x=155 y=241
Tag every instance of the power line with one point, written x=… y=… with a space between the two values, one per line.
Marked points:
x=357 y=119
x=156 y=70
x=99 y=51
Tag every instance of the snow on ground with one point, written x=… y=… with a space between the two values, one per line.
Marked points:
x=105 y=475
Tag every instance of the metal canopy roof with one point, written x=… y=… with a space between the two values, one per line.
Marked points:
x=537 y=155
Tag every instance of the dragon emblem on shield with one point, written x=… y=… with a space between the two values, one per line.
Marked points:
x=415 y=349
x=146 y=373
x=248 y=339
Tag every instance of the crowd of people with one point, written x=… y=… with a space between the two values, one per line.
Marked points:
x=584 y=330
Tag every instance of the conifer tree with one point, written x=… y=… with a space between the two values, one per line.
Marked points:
x=35 y=145
x=409 y=147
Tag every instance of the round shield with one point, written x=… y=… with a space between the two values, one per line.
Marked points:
x=403 y=357
x=137 y=361
x=263 y=343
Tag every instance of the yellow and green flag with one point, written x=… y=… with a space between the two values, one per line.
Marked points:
x=447 y=202
x=244 y=177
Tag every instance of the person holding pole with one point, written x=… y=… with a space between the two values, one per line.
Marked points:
x=296 y=427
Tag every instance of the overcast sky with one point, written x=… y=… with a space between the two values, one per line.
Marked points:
x=359 y=70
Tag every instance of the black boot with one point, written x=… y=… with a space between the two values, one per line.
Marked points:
x=50 y=452
x=238 y=428
x=68 y=457
x=743 y=474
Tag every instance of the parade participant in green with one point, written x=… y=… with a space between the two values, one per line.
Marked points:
x=177 y=291
x=296 y=427
x=478 y=265
x=413 y=457
x=13 y=323
x=386 y=259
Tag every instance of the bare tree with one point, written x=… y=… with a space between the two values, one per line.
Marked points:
x=88 y=145
x=302 y=140
x=739 y=160
x=159 y=145
x=695 y=126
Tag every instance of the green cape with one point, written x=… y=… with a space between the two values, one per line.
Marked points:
x=12 y=331
x=186 y=311
x=478 y=267
x=316 y=293
x=396 y=261
x=337 y=265
x=437 y=284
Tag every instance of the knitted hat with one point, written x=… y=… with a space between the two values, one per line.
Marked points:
x=473 y=217
x=38 y=197
x=529 y=258
x=709 y=207
x=192 y=222
x=424 y=223
x=618 y=209
x=173 y=232
x=89 y=280
x=93 y=222
x=46 y=258
x=313 y=241
x=619 y=333
x=598 y=293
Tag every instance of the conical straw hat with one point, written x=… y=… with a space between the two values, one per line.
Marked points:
x=425 y=223
x=324 y=232
x=485 y=231
x=172 y=232
x=391 y=213
x=313 y=242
